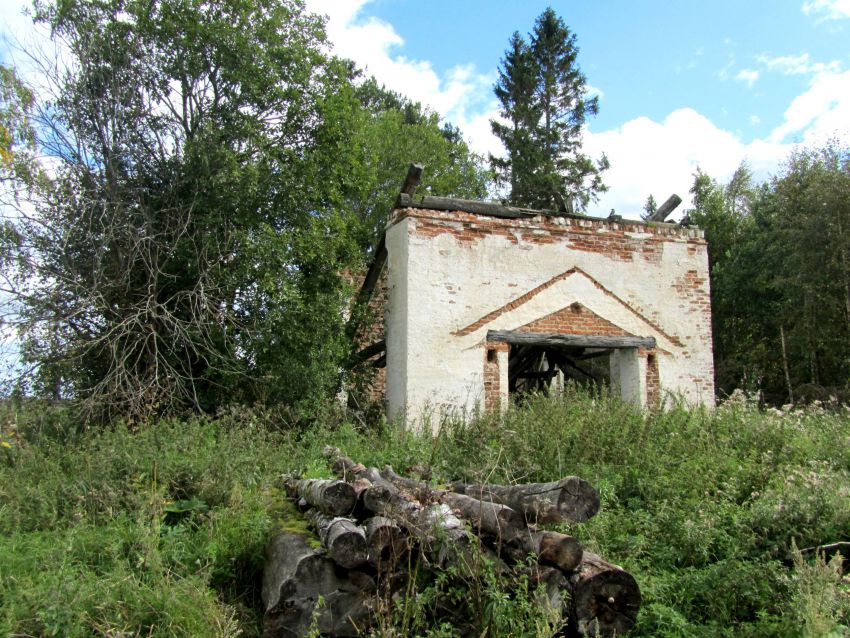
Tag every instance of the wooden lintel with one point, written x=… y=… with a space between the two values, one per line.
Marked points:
x=561 y=340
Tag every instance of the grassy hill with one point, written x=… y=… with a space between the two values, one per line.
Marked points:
x=160 y=530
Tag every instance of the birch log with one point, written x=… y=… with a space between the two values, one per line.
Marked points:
x=604 y=599
x=294 y=579
x=569 y=500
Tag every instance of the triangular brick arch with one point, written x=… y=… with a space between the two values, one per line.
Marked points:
x=545 y=287
x=575 y=319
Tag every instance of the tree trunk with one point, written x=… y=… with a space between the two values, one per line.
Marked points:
x=604 y=600
x=551 y=548
x=570 y=499
x=386 y=543
x=785 y=364
x=344 y=540
x=333 y=497
x=499 y=521
x=294 y=579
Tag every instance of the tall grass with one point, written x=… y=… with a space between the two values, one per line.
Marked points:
x=160 y=530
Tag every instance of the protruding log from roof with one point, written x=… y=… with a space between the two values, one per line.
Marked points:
x=414 y=174
x=514 y=337
x=666 y=208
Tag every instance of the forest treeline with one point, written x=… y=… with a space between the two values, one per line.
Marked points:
x=779 y=254
x=188 y=189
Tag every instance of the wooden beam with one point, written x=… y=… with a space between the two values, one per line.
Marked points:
x=492 y=209
x=368 y=352
x=414 y=174
x=666 y=208
x=561 y=340
x=369 y=282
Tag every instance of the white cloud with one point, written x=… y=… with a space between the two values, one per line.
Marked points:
x=463 y=95
x=660 y=158
x=723 y=74
x=821 y=112
x=755 y=119
x=748 y=76
x=801 y=64
x=594 y=91
x=828 y=9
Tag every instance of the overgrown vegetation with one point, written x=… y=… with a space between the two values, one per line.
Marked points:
x=780 y=276
x=183 y=196
x=160 y=531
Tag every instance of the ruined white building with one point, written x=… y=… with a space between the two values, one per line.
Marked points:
x=480 y=301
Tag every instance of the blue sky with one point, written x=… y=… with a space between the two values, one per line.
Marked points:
x=647 y=58
x=681 y=84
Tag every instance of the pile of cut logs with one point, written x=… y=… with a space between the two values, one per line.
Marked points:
x=372 y=524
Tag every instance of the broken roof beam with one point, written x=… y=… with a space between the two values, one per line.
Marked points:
x=414 y=174
x=666 y=208
x=555 y=340
x=493 y=209
x=368 y=285
x=379 y=347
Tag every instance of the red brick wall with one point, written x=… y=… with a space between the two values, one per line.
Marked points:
x=492 y=381
x=653 y=383
x=370 y=383
x=580 y=234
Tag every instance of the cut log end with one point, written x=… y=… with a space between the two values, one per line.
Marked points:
x=606 y=604
x=340 y=498
x=578 y=501
x=560 y=550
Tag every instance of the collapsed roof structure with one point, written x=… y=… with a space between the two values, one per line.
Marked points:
x=477 y=301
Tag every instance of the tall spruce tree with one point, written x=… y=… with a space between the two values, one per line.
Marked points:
x=545 y=102
x=517 y=81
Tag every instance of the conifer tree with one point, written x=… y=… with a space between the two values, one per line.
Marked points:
x=517 y=82
x=649 y=208
x=544 y=98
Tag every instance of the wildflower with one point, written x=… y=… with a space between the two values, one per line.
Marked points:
x=6 y=444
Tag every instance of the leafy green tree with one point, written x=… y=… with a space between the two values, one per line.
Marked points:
x=392 y=133
x=214 y=173
x=807 y=213
x=544 y=100
x=741 y=302
x=780 y=278
x=17 y=137
x=182 y=135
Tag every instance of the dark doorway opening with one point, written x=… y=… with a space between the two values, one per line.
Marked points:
x=538 y=359
x=536 y=368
